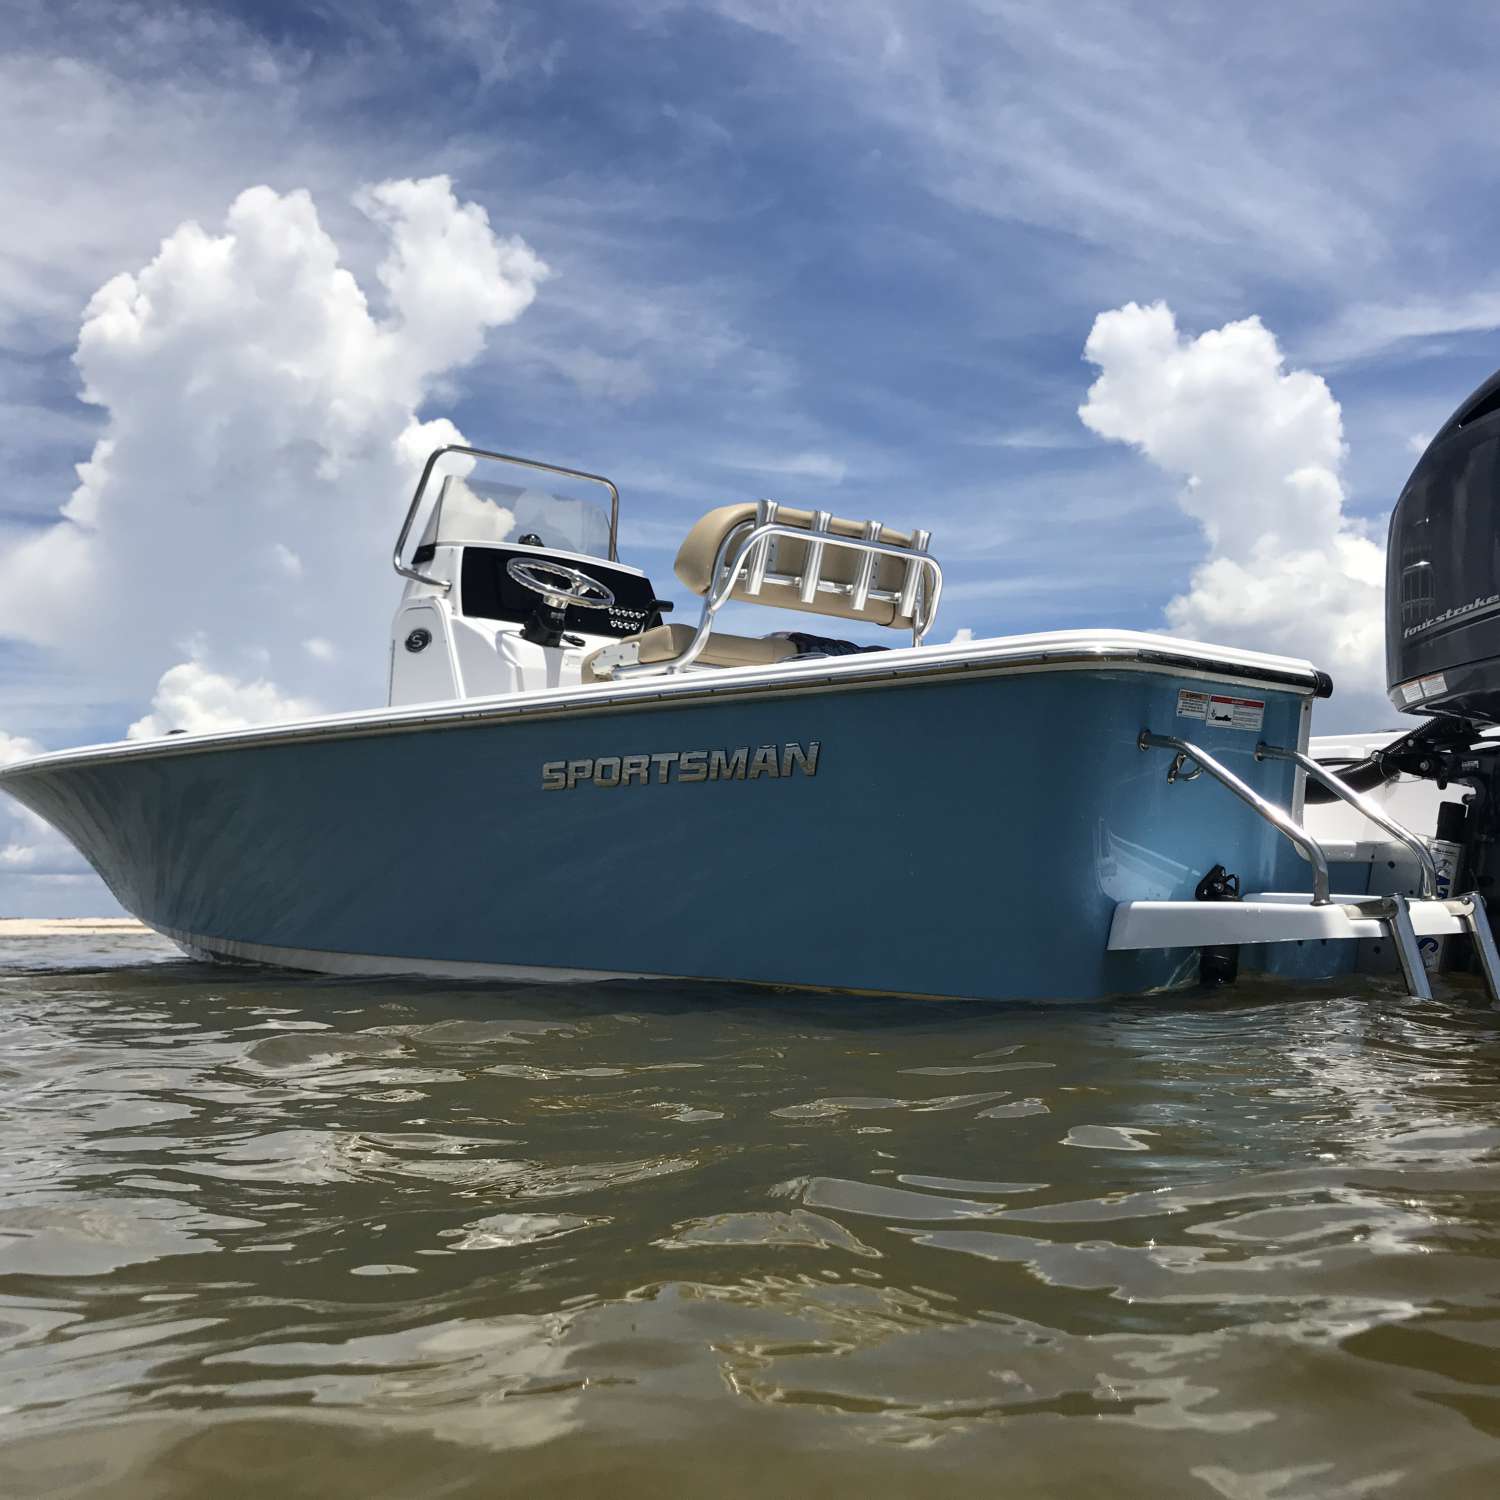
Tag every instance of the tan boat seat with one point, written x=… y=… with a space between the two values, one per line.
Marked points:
x=695 y=565
x=667 y=642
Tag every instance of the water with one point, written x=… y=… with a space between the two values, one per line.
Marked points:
x=267 y=1235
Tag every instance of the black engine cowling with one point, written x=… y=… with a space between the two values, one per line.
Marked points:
x=1443 y=571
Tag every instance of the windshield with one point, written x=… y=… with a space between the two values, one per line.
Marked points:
x=472 y=510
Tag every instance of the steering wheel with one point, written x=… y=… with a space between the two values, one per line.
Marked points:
x=575 y=587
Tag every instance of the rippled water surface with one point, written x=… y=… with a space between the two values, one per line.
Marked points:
x=263 y=1234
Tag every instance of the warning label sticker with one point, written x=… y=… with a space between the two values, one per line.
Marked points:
x=1423 y=687
x=1219 y=708
x=1237 y=713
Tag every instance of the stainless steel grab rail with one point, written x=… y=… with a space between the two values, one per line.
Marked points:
x=1360 y=803
x=1278 y=817
x=398 y=558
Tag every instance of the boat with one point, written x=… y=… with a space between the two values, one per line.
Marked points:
x=565 y=785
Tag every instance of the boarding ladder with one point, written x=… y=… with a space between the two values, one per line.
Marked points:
x=1284 y=917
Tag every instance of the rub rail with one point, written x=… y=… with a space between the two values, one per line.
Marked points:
x=1278 y=817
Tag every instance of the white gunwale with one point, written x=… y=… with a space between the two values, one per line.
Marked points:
x=1066 y=650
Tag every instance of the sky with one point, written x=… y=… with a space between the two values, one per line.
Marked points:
x=1144 y=310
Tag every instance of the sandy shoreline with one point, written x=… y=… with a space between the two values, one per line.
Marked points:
x=44 y=927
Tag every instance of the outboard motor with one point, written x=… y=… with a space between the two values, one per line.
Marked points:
x=1442 y=636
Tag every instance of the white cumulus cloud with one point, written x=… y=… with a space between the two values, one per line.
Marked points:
x=14 y=747
x=262 y=435
x=1259 y=449
x=191 y=697
x=472 y=517
x=27 y=844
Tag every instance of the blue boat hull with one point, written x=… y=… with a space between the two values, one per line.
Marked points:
x=963 y=836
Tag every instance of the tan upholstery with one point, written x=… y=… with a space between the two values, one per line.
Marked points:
x=695 y=565
x=668 y=642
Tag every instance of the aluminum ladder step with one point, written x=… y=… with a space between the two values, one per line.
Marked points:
x=1294 y=917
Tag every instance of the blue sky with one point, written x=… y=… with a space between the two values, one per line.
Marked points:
x=840 y=253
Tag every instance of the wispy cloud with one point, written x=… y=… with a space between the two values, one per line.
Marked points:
x=1033 y=440
x=1034 y=584
x=1369 y=328
x=824 y=468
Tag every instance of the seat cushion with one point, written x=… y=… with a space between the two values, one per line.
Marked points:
x=695 y=565
x=825 y=645
x=664 y=643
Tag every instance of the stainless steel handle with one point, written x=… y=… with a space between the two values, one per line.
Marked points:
x=1357 y=800
x=1277 y=817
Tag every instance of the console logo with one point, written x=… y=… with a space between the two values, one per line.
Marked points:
x=743 y=764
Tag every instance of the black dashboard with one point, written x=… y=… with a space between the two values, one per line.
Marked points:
x=488 y=592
